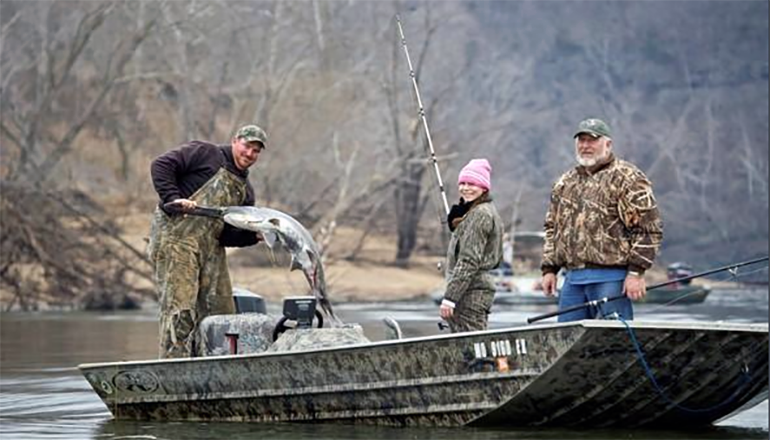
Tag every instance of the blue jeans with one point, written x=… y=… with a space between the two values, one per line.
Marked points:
x=575 y=294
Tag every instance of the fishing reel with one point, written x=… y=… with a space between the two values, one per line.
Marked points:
x=298 y=312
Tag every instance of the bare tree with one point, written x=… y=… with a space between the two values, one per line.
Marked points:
x=31 y=127
x=409 y=143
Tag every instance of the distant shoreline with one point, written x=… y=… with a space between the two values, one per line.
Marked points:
x=350 y=297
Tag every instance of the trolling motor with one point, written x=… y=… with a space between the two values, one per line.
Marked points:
x=298 y=312
x=678 y=270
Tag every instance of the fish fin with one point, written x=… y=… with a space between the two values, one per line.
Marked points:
x=270 y=238
x=295 y=264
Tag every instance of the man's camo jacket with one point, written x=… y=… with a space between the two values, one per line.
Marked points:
x=608 y=218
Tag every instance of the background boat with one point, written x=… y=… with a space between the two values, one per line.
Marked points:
x=683 y=292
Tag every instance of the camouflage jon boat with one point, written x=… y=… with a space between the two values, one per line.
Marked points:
x=579 y=374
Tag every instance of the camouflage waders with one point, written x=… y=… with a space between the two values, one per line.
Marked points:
x=190 y=266
x=476 y=247
x=471 y=311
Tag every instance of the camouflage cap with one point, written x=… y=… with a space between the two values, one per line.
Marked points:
x=594 y=127
x=252 y=133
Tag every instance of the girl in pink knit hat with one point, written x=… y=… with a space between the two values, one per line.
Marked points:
x=476 y=247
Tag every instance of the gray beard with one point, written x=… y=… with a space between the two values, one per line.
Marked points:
x=588 y=163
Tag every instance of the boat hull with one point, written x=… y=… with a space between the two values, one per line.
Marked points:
x=690 y=294
x=700 y=376
x=571 y=374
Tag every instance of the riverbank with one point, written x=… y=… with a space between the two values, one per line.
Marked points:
x=372 y=276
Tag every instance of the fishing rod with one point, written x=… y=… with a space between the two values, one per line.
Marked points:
x=597 y=302
x=424 y=120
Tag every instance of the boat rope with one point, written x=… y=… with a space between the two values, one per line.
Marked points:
x=745 y=378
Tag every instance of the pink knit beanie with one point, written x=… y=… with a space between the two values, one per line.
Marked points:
x=477 y=172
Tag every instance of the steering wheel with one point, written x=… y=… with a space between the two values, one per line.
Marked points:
x=281 y=326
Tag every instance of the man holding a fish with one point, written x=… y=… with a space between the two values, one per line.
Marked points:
x=188 y=252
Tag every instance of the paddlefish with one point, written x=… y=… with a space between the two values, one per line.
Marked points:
x=278 y=227
x=275 y=227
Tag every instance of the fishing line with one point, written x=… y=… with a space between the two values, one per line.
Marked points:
x=696 y=292
x=736 y=275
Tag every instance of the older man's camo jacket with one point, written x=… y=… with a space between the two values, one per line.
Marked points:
x=475 y=248
x=608 y=218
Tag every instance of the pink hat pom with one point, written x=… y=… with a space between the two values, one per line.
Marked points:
x=477 y=172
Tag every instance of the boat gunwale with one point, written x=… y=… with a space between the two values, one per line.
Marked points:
x=588 y=323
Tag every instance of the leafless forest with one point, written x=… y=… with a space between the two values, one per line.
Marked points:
x=92 y=91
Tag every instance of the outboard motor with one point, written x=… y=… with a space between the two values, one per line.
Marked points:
x=679 y=270
x=248 y=302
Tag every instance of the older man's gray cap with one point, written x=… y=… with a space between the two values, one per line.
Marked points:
x=252 y=133
x=595 y=127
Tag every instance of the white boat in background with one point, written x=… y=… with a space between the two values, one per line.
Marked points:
x=519 y=282
x=523 y=290
x=513 y=290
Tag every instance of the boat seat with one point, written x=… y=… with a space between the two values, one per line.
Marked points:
x=253 y=333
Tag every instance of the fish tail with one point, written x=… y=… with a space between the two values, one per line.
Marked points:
x=327 y=307
x=319 y=281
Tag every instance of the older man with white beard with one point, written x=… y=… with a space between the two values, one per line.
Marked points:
x=602 y=228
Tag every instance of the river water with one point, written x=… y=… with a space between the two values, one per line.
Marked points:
x=43 y=395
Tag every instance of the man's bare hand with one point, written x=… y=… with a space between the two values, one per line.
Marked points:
x=634 y=287
x=446 y=312
x=549 y=284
